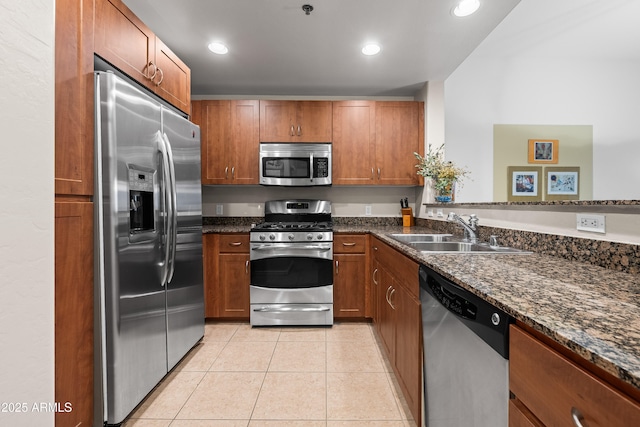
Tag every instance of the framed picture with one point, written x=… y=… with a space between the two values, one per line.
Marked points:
x=543 y=150
x=562 y=183
x=524 y=183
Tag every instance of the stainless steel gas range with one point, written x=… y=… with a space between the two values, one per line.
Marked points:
x=292 y=264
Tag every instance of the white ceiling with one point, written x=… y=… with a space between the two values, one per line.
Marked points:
x=275 y=49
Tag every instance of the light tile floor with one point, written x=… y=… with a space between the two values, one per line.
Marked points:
x=268 y=377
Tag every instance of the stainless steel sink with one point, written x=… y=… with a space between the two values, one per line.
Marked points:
x=448 y=244
x=421 y=238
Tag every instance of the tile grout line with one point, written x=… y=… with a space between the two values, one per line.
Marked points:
x=205 y=374
x=264 y=377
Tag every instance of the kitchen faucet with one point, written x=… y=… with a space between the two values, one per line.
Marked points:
x=469 y=229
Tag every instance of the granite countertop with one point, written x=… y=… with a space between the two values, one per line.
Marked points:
x=593 y=311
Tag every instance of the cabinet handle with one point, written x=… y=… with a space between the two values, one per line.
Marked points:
x=161 y=77
x=375 y=248
x=387 y=295
x=299 y=130
x=226 y=172
x=155 y=70
x=393 y=291
x=372 y=173
x=348 y=243
x=246 y=267
x=337 y=267
x=233 y=172
x=292 y=131
x=373 y=276
x=235 y=243
x=378 y=174
x=578 y=418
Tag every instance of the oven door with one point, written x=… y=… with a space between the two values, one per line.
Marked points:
x=291 y=265
x=291 y=284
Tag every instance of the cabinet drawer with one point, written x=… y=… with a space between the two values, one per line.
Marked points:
x=233 y=243
x=553 y=387
x=349 y=243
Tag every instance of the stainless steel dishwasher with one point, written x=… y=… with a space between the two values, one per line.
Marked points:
x=466 y=366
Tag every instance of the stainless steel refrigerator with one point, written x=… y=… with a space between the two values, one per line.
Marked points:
x=149 y=281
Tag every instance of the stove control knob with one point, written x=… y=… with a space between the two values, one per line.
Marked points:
x=291 y=236
x=262 y=237
x=272 y=236
x=309 y=236
x=320 y=236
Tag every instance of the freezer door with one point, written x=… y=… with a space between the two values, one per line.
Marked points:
x=185 y=289
x=130 y=244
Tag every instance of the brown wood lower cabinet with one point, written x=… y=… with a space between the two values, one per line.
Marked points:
x=397 y=316
x=552 y=390
x=350 y=280
x=74 y=312
x=227 y=275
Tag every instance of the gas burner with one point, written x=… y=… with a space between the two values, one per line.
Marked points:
x=311 y=226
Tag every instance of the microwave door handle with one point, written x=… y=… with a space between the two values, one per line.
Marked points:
x=311 y=166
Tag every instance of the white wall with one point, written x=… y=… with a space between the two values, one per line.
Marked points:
x=549 y=62
x=26 y=210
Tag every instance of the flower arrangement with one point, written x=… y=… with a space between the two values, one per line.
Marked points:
x=443 y=174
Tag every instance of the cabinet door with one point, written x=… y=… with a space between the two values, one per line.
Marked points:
x=74 y=311
x=398 y=130
x=233 y=285
x=74 y=97
x=245 y=140
x=210 y=270
x=349 y=285
x=375 y=292
x=173 y=78
x=124 y=41
x=408 y=350
x=277 y=121
x=386 y=312
x=354 y=134
x=214 y=118
x=314 y=121
x=295 y=121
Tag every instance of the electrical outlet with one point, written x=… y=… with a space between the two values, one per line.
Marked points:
x=590 y=222
x=439 y=213
x=367 y=210
x=219 y=210
x=430 y=212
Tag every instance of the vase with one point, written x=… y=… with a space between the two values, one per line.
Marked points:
x=446 y=194
x=443 y=199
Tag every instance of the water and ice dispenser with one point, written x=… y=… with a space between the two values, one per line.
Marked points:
x=140 y=201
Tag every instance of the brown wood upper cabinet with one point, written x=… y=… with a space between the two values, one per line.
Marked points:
x=374 y=142
x=229 y=139
x=295 y=121
x=126 y=42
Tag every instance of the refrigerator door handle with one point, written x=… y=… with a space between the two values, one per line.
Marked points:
x=162 y=148
x=173 y=212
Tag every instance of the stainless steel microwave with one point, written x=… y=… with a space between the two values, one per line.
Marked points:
x=299 y=165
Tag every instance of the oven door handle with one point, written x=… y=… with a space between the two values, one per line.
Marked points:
x=267 y=309
x=288 y=248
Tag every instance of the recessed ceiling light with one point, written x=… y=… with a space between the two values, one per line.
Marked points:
x=371 y=49
x=218 y=48
x=466 y=7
